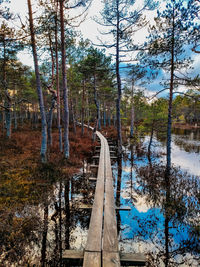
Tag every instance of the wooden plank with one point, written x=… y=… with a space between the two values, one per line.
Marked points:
x=94 y=240
x=92 y=259
x=123 y=208
x=110 y=235
x=84 y=206
x=135 y=259
x=72 y=254
x=92 y=179
x=111 y=259
x=94 y=246
x=96 y=157
x=93 y=166
x=113 y=157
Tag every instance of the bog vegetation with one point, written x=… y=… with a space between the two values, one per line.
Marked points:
x=74 y=82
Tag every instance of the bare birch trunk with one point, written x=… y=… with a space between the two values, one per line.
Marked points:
x=57 y=81
x=39 y=89
x=118 y=104
x=64 y=82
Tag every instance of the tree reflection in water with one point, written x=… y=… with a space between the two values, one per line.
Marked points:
x=168 y=228
x=43 y=217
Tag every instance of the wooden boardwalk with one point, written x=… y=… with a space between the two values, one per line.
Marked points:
x=102 y=248
x=102 y=243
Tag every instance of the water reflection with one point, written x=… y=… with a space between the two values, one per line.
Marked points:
x=51 y=219
x=164 y=217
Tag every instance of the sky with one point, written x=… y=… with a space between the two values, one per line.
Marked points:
x=89 y=29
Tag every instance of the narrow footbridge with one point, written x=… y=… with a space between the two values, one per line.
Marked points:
x=102 y=248
x=102 y=244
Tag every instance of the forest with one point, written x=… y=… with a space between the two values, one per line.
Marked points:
x=139 y=85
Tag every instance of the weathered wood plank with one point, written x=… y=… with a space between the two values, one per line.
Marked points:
x=94 y=247
x=110 y=236
x=135 y=259
x=94 y=240
x=113 y=157
x=84 y=206
x=93 y=166
x=96 y=157
x=111 y=259
x=123 y=208
x=72 y=254
x=72 y=258
x=92 y=179
x=92 y=259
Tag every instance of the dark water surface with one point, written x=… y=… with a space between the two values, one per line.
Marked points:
x=164 y=221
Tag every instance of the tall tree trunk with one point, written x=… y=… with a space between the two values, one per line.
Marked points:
x=8 y=104
x=67 y=216
x=64 y=83
x=88 y=113
x=14 y=109
x=60 y=223
x=104 y=114
x=50 y=120
x=57 y=80
x=44 y=237
x=150 y=143
x=39 y=89
x=132 y=112
x=118 y=192
x=73 y=116
x=109 y=116
x=168 y=210
x=169 y=124
x=169 y=128
x=83 y=108
x=97 y=107
x=118 y=104
x=8 y=101
x=99 y=116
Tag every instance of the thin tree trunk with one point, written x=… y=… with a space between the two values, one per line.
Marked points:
x=60 y=223
x=132 y=112
x=88 y=113
x=73 y=116
x=169 y=124
x=83 y=108
x=8 y=100
x=118 y=104
x=97 y=117
x=118 y=193
x=44 y=237
x=38 y=83
x=54 y=96
x=67 y=216
x=49 y=124
x=109 y=117
x=8 y=103
x=150 y=143
x=104 y=114
x=64 y=82
x=57 y=80
x=169 y=128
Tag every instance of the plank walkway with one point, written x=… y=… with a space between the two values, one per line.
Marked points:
x=102 y=248
x=102 y=243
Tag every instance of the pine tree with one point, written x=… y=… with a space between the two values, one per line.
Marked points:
x=167 y=52
x=38 y=83
x=122 y=20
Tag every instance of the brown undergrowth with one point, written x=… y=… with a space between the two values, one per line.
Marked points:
x=111 y=132
x=26 y=184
